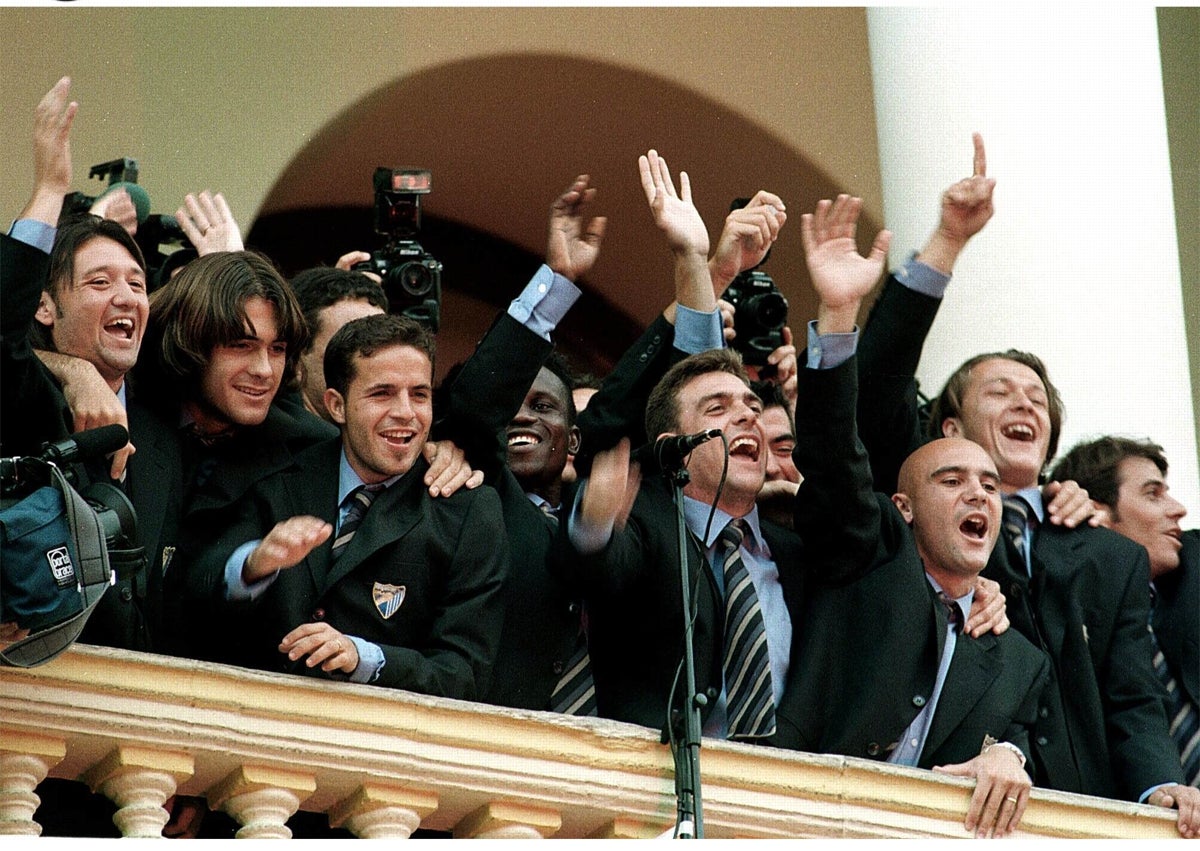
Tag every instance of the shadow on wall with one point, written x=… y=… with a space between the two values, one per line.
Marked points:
x=503 y=136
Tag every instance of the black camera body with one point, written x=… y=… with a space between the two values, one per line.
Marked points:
x=760 y=317
x=761 y=310
x=411 y=276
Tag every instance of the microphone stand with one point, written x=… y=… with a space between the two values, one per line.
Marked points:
x=690 y=819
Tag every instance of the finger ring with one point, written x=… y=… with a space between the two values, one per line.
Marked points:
x=1011 y=799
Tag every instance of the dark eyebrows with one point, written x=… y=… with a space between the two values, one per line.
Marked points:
x=962 y=471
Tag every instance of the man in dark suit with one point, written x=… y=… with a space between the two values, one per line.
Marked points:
x=85 y=303
x=1127 y=479
x=881 y=666
x=1078 y=594
x=406 y=594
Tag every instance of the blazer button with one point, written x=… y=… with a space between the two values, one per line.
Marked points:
x=873 y=749
x=573 y=608
x=918 y=701
x=711 y=693
x=657 y=339
x=126 y=594
x=1042 y=741
x=318 y=615
x=1014 y=591
x=558 y=667
x=1043 y=712
x=642 y=357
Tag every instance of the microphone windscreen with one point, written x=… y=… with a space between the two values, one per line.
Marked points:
x=98 y=442
x=138 y=195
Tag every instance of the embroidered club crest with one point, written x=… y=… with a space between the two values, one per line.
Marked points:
x=388 y=598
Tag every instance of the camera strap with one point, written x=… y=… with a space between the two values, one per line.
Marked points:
x=93 y=573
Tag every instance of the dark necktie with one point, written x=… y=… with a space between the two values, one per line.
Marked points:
x=1183 y=717
x=1013 y=522
x=750 y=704
x=360 y=500
x=575 y=691
x=954 y=615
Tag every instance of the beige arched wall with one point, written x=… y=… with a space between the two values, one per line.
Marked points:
x=281 y=108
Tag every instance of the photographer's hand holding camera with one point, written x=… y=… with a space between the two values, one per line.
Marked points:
x=748 y=235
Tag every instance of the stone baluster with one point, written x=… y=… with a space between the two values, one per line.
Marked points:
x=261 y=799
x=377 y=811
x=25 y=759
x=139 y=780
x=507 y=820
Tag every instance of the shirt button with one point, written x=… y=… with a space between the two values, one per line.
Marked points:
x=912 y=742
x=541 y=288
x=918 y=701
x=558 y=667
x=318 y=615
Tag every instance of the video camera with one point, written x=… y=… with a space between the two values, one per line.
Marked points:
x=761 y=310
x=412 y=278
x=62 y=547
x=154 y=230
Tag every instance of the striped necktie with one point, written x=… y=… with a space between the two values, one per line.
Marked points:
x=750 y=703
x=1014 y=521
x=1183 y=717
x=575 y=691
x=359 y=501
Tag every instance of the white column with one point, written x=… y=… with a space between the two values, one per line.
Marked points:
x=1080 y=262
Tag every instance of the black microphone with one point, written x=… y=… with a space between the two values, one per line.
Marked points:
x=93 y=443
x=670 y=451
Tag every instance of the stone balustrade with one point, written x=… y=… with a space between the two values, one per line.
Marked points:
x=139 y=728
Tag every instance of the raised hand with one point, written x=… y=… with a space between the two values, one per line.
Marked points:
x=612 y=487
x=52 y=120
x=573 y=246
x=748 y=235
x=287 y=544
x=209 y=224
x=674 y=212
x=119 y=207
x=966 y=208
x=840 y=277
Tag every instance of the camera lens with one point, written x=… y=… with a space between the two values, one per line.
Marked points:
x=414 y=278
x=768 y=311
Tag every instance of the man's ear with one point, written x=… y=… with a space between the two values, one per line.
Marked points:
x=1104 y=513
x=46 y=310
x=903 y=505
x=336 y=405
x=952 y=427
x=574 y=438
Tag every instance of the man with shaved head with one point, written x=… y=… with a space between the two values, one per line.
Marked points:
x=883 y=668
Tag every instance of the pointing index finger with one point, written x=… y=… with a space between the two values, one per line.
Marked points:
x=980 y=156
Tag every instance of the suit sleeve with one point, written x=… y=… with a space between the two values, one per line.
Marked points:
x=25 y=385
x=1143 y=753
x=888 y=354
x=837 y=514
x=458 y=659
x=487 y=393
x=619 y=407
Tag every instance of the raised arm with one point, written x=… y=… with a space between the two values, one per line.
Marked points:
x=52 y=169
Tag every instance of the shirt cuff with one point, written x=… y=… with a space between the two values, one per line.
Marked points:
x=697 y=332
x=585 y=537
x=921 y=278
x=34 y=233
x=235 y=586
x=544 y=301
x=1151 y=791
x=370 y=661
x=826 y=351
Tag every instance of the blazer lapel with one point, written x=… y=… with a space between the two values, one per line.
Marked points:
x=973 y=669
x=391 y=516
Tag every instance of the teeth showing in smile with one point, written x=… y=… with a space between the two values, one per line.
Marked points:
x=974 y=527
x=121 y=326
x=744 y=446
x=398 y=437
x=1018 y=431
x=524 y=440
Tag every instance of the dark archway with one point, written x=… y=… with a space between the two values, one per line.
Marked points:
x=503 y=136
